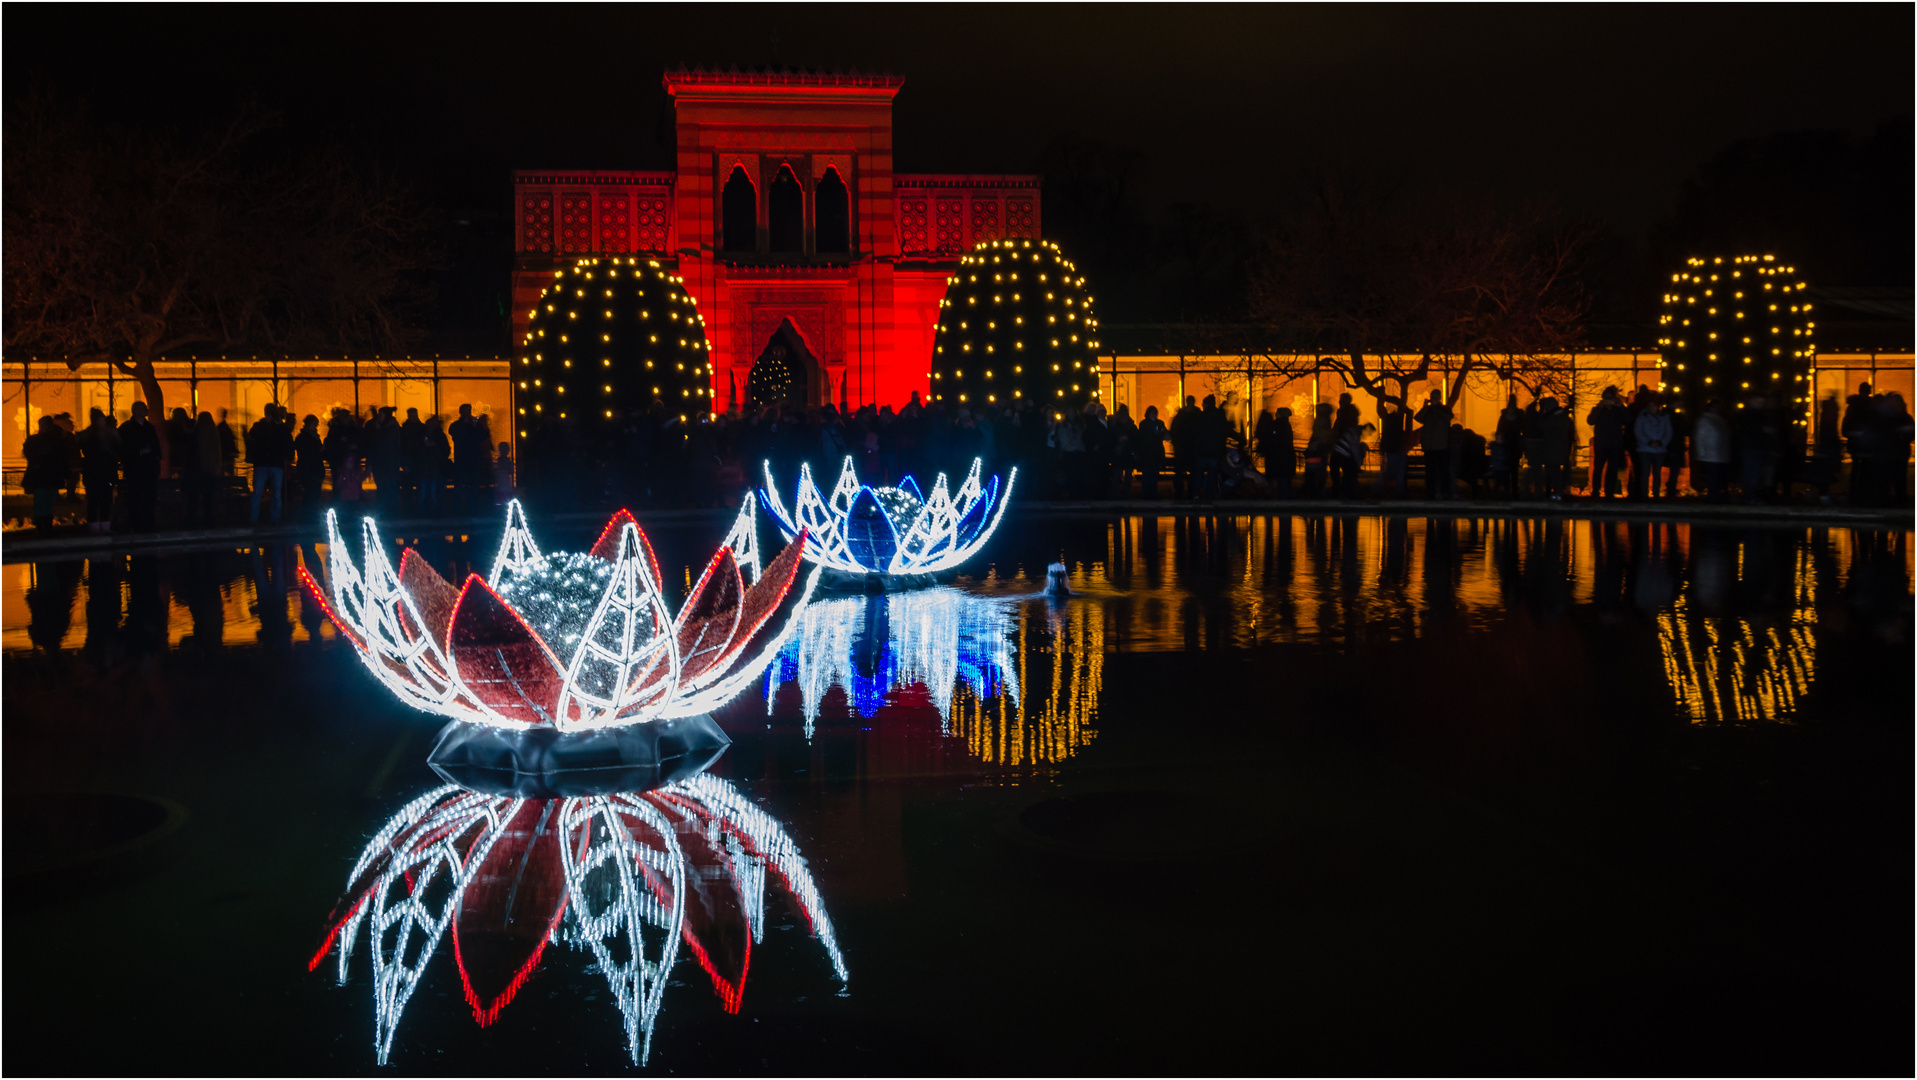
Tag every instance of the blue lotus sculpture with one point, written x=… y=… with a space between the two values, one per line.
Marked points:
x=897 y=531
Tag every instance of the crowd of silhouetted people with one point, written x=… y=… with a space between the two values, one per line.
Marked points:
x=1752 y=451
x=415 y=466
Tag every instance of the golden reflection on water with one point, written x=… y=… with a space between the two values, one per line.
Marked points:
x=1040 y=729
x=1735 y=612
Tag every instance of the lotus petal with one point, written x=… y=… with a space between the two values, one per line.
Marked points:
x=607 y=546
x=627 y=655
x=512 y=901
x=973 y=520
x=718 y=928
x=625 y=878
x=744 y=539
x=911 y=487
x=765 y=596
x=516 y=547
x=433 y=595
x=500 y=660
x=868 y=533
x=710 y=617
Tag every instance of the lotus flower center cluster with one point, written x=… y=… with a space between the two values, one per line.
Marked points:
x=900 y=505
x=557 y=594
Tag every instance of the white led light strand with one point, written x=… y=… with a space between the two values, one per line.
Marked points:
x=516 y=549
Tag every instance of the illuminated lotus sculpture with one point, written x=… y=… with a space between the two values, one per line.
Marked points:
x=629 y=877
x=554 y=647
x=895 y=531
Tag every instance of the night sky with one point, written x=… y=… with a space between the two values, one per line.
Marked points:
x=1600 y=111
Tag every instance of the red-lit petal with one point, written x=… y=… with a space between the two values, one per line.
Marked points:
x=500 y=659
x=710 y=618
x=433 y=595
x=765 y=595
x=607 y=546
x=509 y=909
x=326 y=604
x=717 y=928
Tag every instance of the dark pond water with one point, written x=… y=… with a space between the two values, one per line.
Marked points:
x=1290 y=795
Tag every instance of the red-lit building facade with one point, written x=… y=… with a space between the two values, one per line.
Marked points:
x=783 y=208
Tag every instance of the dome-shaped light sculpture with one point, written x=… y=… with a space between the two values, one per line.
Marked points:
x=538 y=662
x=630 y=877
x=890 y=532
x=606 y=336
x=1736 y=328
x=1016 y=327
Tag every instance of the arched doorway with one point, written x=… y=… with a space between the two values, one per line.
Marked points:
x=786 y=372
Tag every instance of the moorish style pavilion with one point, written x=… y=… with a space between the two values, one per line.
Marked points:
x=783 y=209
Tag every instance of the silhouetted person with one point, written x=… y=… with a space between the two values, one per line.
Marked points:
x=1184 y=441
x=1151 y=450
x=1607 y=444
x=435 y=461
x=269 y=449
x=1394 y=445
x=46 y=470
x=1711 y=451
x=100 y=467
x=140 y=468
x=1556 y=434
x=472 y=454
x=1653 y=431
x=1276 y=446
x=1434 y=436
x=383 y=452
x=201 y=471
x=309 y=463
x=1318 y=451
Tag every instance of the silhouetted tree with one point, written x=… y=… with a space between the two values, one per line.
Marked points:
x=1386 y=294
x=122 y=247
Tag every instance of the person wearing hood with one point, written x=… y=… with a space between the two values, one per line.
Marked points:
x=1653 y=432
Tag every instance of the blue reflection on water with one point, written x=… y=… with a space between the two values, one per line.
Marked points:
x=869 y=646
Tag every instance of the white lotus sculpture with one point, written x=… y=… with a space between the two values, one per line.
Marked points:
x=897 y=531
x=576 y=642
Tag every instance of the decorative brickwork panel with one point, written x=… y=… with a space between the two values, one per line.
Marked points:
x=575 y=222
x=655 y=229
x=1021 y=223
x=985 y=224
x=948 y=224
x=914 y=223
x=615 y=223
x=535 y=222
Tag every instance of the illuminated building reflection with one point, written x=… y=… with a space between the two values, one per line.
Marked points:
x=1017 y=679
x=627 y=877
x=1050 y=724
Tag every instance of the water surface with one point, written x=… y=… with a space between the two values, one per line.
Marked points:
x=1363 y=793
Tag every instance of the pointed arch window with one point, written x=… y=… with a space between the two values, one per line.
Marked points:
x=785 y=212
x=832 y=213
x=740 y=207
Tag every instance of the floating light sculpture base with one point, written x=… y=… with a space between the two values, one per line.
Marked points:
x=839 y=581
x=890 y=537
x=544 y=763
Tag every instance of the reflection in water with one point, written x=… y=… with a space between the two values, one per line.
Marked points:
x=1739 y=618
x=1042 y=729
x=976 y=658
x=637 y=874
x=866 y=646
